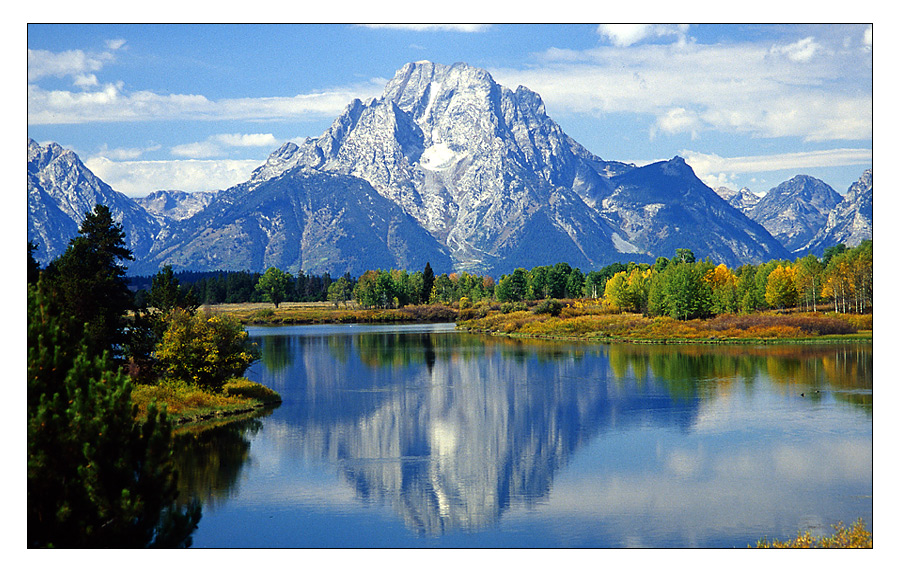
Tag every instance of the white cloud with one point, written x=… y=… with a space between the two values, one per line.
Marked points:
x=110 y=104
x=139 y=178
x=736 y=88
x=246 y=139
x=799 y=51
x=867 y=39
x=43 y=63
x=715 y=170
x=623 y=35
x=127 y=154
x=432 y=27
x=75 y=63
x=217 y=145
x=679 y=120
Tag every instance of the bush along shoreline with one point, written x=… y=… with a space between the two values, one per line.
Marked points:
x=596 y=321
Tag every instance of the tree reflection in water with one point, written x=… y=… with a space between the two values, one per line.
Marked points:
x=452 y=430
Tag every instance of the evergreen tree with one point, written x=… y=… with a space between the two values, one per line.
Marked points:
x=427 y=283
x=96 y=477
x=167 y=294
x=89 y=280
x=34 y=269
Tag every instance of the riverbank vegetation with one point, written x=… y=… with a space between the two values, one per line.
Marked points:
x=854 y=536
x=100 y=374
x=673 y=299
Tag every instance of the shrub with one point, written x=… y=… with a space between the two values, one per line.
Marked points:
x=854 y=537
x=242 y=387
x=550 y=306
x=204 y=349
x=264 y=314
x=508 y=307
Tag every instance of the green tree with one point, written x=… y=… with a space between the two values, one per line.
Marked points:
x=575 y=284
x=539 y=282
x=96 y=477
x=831 y=252
x=684 y=255
x=274 y=285
x=427 y=283
x=682 y=291
x=203 y=349
x=340 y=291
x=89 y=280
x=558 y=278
x=34 y=269
x=809 y=279
x=166 y=293
x=513 y=287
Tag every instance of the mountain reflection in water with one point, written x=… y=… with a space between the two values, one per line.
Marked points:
x=451 y=430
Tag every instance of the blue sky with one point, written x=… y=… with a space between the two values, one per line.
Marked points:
x=197 y=107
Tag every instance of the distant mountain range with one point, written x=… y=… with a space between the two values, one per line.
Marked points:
x=807 y=216
x=451 y=168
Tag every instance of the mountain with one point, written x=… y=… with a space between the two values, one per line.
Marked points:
x=742 y=200
x=664 y=206
x=61 y=190
x=175 y=205
x=794 y=211
x=480 y=167
x=446 y=167
x=850 y=221
x=496 y=181
x=317 y=222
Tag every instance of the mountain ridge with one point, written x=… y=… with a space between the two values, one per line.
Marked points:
x=445 y=164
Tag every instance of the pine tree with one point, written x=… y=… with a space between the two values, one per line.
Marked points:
x=89 y=280
x=96 y=477
x=427 y=283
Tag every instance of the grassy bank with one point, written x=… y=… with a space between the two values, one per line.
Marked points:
x=297 y=313
x=855 y=536
x=188 y=404
x=585 y=320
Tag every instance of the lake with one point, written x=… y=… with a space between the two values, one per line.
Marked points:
x=420 y=436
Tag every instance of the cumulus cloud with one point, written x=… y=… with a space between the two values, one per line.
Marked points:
x=139 y=178
x=678 y=120
x=77 y=64
x=44 y=63
x=623 y=35
x=744 y=88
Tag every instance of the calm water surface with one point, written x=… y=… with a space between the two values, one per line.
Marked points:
x=418 y=436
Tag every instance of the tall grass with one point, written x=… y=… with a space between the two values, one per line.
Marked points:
x=856 y=536
x=596 y=321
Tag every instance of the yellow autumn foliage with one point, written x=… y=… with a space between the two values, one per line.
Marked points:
x=203 y=349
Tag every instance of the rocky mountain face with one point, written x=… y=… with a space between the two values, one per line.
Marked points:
x=317 y=222
x=168 y=206
x=742 y=200
x=850 y=221
x=61 y=190
x=447 y=167
x=496 y=181
x=480 y=167
x=663 y=206
x=794 y=211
